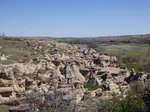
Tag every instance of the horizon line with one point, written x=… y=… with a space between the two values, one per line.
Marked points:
x=47 y=36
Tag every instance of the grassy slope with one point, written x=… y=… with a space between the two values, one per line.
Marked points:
x=17 y=51
x=132 y=55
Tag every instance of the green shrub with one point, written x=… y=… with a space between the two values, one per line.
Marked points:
x=129 y=104
x=136 y=67
x=91 y=86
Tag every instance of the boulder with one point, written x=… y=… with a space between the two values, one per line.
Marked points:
x=77 y=74
x=7 y=73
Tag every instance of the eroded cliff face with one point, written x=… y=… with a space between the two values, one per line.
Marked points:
x=67 y=69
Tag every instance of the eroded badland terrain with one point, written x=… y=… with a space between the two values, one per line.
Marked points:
x=46 y=75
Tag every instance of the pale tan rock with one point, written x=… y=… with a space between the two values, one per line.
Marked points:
x=78 y=76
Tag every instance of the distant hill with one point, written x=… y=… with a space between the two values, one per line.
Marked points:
x=142 y=39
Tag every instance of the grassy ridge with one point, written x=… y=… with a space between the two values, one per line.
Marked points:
x=16 y=51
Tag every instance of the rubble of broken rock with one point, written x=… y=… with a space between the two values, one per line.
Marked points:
x=67 y=69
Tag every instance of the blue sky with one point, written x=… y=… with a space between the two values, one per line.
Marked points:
x=88 y=18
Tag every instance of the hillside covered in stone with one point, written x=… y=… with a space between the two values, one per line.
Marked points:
x=46 y=67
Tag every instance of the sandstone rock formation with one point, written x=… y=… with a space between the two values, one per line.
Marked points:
x=66 y=68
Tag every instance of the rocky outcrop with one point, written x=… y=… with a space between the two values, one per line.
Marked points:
x=66 y=68
x=3 y=57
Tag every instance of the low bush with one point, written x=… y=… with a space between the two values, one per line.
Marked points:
x=129 y=104
x=91 y=86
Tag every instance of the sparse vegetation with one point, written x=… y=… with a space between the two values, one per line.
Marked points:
x=4 y=108
x=132 y=56
x=52 y=102
x=91 y=86
x=18 y=50
x=129 y=104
